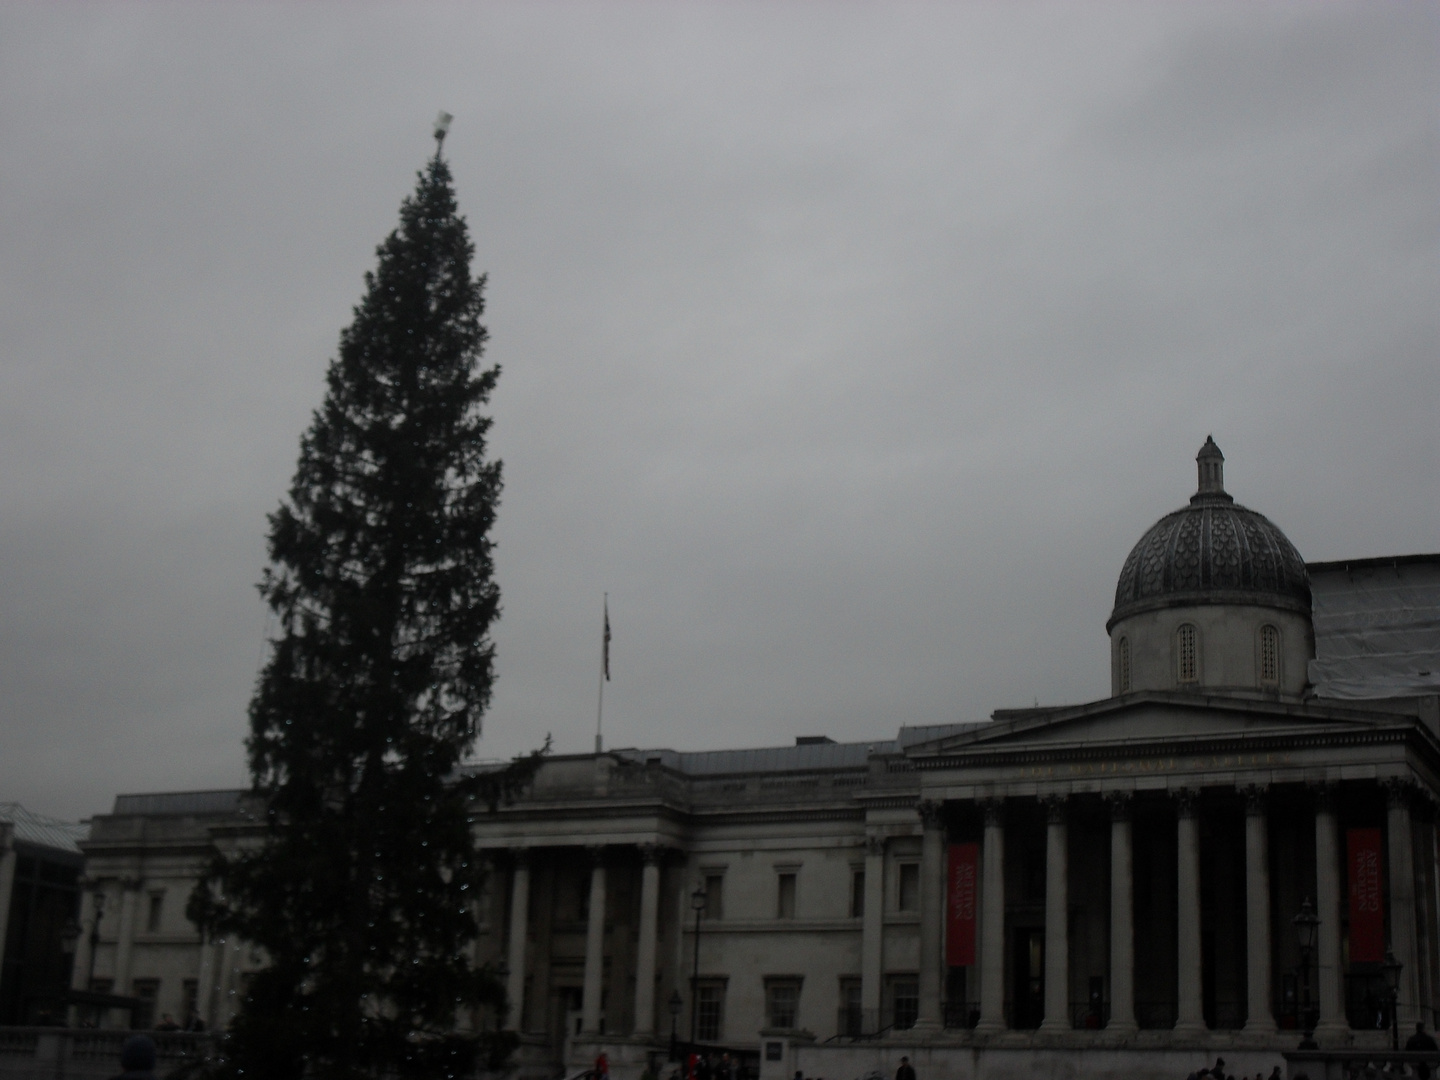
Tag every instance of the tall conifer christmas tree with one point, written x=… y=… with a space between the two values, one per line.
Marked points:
x=360 y=894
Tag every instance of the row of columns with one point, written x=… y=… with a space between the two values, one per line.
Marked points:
x=651 y=855
x=1190 y=1015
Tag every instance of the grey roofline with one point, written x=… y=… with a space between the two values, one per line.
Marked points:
x=217 y=801
x=813 y=757
x=810 y=757
x=1378 y=561
x=41 y=831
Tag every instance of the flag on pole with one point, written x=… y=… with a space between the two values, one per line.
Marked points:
x=607 y=639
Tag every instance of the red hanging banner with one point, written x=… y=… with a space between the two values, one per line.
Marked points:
x=1367 y=901
x=960 y=881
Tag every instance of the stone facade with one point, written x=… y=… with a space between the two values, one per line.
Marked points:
x=1140 y=860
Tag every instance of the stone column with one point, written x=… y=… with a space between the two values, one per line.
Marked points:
x=204 y=981
x=1402 y=898
x=1191 y=1016
x=1425 y=901
x=594 y=946
x=519 y=929
x=124 y=942
x=872 y=934
x=80 y=970
x=1333 y=1026
x=1259 y=1019
x=1057 y=919
x=932 y=929
x=992 y=920
x=1122 y=917
x=650 y=855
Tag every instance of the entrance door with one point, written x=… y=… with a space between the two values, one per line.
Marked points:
x=1028 y=966
x=565 y=1010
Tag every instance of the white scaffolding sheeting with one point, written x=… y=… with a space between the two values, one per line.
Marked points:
x=1377 y=628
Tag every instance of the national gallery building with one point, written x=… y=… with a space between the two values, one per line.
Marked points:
x=1121 y=876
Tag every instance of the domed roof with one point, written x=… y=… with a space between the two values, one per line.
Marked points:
x=1212 y=552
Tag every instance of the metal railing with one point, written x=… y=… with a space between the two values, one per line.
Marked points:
x=853 y=1022
x=1343 y=1064
x=91 y=1049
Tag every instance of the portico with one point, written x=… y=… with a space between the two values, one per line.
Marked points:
x=1223 y=805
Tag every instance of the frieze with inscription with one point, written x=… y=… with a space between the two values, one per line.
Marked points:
x=1144 y=766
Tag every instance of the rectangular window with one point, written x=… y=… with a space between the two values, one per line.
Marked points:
x=710 y=1015
x=852 y=1019
x=714 y=897
x=909 y=895
x=155 y=913
x=857 y=894
x=190 y=1001
x=785 y=907
x=904 y=1001
x=148 y=991
x=782 y=1002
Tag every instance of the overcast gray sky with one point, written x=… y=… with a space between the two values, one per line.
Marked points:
x=849 y=347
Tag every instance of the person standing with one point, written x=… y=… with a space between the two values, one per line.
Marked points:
x=137 y=1058
x=1421 y=1040
x=906 y=1071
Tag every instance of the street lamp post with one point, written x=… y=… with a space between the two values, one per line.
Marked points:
x=1391 y=968
x=675 y=1006
x=1306 y=924
x=697 y=903
x=95 y=937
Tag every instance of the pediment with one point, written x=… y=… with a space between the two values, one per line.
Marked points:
x=1151 y=717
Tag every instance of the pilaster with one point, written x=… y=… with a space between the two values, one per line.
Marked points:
x=872 y=933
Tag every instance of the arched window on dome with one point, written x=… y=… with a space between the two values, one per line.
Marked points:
x=1187 y=659
x=1269 y=655
x=1123 y=663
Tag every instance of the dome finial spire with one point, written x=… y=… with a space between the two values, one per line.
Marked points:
x=1210 y=463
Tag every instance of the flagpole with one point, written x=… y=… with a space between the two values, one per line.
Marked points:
x=604 y=674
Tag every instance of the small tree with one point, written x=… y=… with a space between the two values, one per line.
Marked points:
x=361 y=891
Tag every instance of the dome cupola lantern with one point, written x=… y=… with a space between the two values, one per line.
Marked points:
x=1213 y=598
x=1211 y=464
